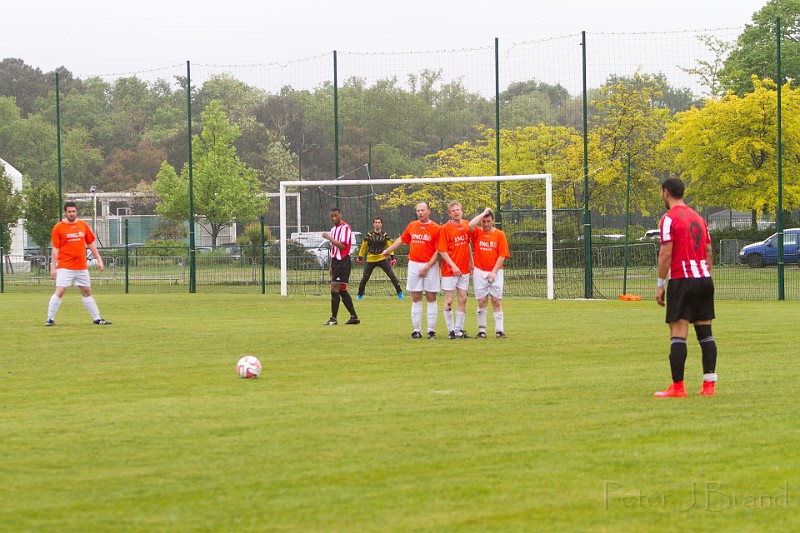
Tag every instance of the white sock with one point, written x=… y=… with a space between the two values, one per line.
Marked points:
x=52 y=307
x=433 y=315
x=416 y=316
x=498 y=321
x=712 y=377
x=482 y=319
x=91 y=306
x=461 y=317
x=448 y=318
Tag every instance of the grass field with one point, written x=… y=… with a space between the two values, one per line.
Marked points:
x=144 y=425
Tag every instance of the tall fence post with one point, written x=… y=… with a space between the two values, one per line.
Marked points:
x=499 y=214
x=587 y=215
x=779 y=210
x=336 y=122
x=2 y=258
x=127 y=256
x=192 y=250
x=263 y=259
x=58 y=150
x=627 y=226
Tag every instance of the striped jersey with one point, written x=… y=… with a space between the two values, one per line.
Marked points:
x=688 y=233
x=342 y=234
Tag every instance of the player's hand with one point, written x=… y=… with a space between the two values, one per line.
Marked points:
x=52 y=273
x=456 y=271
x=660 y=296
x=393 y=262
x=326 y=235
x=100 y=265
x=386 y=253
x=490 y=277
x=360 y=261
x=424 y=271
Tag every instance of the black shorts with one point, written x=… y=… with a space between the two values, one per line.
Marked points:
x=340 y=270
x=690 y=299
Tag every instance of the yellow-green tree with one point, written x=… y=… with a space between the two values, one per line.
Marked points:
x=631 y=118
x=552 y=150
x=727 y=151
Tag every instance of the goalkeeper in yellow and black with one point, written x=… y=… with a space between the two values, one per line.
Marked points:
x=374 y=244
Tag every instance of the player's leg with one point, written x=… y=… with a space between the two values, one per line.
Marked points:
x=432 y=285
x=678 y=330
x=704 y=314
x=387 y=267
x=414 y=285
x=335 y=299
x=347 y=300
x=55 y=302
x=368 y=268
x=483 y=304
x=461 y=307
x=496 y=293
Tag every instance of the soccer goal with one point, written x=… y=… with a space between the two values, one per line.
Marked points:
x=455 y=188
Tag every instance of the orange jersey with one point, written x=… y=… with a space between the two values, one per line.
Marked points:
x=487 y=247
x=422 y=240
x=455 y=241
x=71 y=240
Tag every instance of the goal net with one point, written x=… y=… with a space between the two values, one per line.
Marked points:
x=525 y=215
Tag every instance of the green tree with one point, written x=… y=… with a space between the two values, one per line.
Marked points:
x=755 y=51
x=709 y=72
x=225 y=188
x=727 y=151
x=10 y=208
x=40 y=203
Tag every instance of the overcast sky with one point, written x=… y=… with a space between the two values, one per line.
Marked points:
x=91 y=37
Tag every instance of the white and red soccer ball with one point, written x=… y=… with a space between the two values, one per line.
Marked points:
x=248 y=367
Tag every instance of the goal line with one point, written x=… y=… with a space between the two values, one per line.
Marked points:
x=547 y=178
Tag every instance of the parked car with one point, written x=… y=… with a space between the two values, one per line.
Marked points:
x=651 y=235
x=765 y=252
x=322 y=251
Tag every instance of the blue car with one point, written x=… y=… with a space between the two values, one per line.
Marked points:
x=764 y=253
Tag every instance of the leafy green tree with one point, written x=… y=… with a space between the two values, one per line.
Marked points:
x=124 y=169
x=727 y=151
x=10 y=208
x=23 y=83
x=225 y=188
x=709 y=72
x=40 y=212
x=755 y=51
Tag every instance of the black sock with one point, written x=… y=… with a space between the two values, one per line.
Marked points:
x=334 y=304
x=348 y=303
x=677 y=358
x=709 y=347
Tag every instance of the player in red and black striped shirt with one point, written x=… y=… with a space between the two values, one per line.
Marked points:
x=341 y=240
x=685 y=257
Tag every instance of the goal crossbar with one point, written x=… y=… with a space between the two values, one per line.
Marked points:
x=547 y=178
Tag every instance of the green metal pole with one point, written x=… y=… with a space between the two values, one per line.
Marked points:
x=127 y=256
x=368 y=210
x=58 y=149
x=627 y=227
x=587 y=215
x=779 y=214
x=263 y=259
x=2 y=258
x=498 y=213
x=336 y=121
x=192 y=262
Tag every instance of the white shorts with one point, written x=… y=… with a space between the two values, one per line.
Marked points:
x=484 y=288
x=66 y=278
x=451 y=283
x=417 y=283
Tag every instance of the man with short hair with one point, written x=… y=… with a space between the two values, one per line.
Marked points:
x=68 y=265
x=490 y=250
x=340 y=238
x=685 y=257
x=454 y=247
x=374 y=244
x=422 y=237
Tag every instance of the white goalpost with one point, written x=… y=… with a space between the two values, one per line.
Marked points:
x=547 y=178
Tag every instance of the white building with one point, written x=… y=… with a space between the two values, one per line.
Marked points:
x=17 y=232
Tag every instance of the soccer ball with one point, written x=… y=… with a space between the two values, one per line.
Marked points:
x=248 y=367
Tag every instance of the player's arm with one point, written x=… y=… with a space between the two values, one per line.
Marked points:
x=388 y=243
x=709 y=254
x=93 y=249
x=363 y=248
x=447 y=259
x=664 y=260
x=392 y=247
x=475 y=222
x=53 y=260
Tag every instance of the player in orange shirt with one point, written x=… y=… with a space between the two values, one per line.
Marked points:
x=490 y=249
x=68 y=263
x=422 y=236
x=454 y=240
